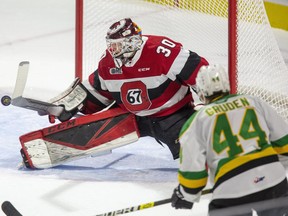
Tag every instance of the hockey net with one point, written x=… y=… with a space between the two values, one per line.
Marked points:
x=251 y=52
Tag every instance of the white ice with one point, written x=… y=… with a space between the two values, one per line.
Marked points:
x=43 y=33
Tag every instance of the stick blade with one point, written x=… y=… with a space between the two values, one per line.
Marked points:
x=22 y=74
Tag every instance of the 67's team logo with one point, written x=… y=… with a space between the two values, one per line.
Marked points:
x=135 y=96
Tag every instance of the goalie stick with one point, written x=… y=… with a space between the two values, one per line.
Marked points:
x=10 y=210
x=43 y=108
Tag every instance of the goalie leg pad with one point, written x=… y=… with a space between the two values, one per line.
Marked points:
x=80 y=137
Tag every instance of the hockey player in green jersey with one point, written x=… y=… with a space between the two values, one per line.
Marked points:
x=237 y=140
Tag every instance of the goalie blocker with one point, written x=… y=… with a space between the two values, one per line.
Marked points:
x=78 y=138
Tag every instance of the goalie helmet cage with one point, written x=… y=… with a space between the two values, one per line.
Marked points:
x=236 y=33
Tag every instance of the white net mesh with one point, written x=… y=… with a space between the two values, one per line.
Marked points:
x=261 y=69
x=201 y=26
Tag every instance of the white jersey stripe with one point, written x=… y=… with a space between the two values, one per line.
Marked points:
x=178 y=64
x=150 y=82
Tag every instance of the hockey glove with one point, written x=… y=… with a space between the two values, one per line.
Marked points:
x=177 y=200
x=72 y=100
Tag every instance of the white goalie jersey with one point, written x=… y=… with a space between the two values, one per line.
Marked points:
x=239 y=138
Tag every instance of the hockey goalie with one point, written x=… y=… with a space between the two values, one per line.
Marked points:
x=148 y=77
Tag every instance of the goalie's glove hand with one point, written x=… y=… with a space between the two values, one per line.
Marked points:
x=72 y=100
x=177 y=200
x=66 y=115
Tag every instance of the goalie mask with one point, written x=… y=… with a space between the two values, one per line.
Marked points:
x=211 y=80
x=123 y=39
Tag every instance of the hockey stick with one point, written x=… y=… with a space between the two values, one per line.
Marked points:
x=43 y=108
x=10 y=210
x=144 y=206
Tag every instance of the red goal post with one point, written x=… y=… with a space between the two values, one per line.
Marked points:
x=235 y=33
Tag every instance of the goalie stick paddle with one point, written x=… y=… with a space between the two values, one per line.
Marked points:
x=9 y=209
x=143 y=206
x=21 y=80
x=43 y=108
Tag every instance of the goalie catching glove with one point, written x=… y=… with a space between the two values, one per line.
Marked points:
x=73 y=100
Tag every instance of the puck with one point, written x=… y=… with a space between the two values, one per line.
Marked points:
x=6 y=100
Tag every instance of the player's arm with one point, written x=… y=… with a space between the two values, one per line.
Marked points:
x=278 y=127
x=184 y=70
x=192 y=176
x=193 y=63
x=98 y=98
x=185 y=65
